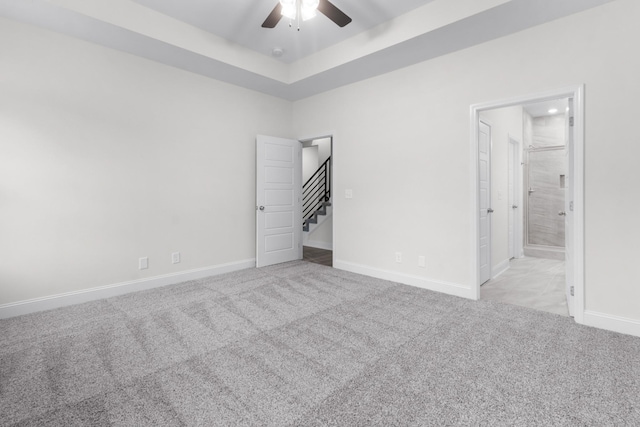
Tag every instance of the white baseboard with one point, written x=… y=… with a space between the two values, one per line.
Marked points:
x=85 y=295
x=407 y=279
x=612 y=323
x=318 y=245
x=500 y=268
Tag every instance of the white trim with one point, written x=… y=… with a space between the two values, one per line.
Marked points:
x=407 y=279
x=577 y=93
x=334 y=198
x=578 y=203
x=319 y=245
x=475 y=202
x=612 y=323
x=500 y=268
x=85 y=295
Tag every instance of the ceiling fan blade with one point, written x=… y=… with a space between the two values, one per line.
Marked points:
x=274 y=17
x=336 y=15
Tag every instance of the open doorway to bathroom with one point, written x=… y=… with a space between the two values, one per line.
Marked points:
x=532 y=274
x=317 y=236
x=545 y=178
x=536 y=207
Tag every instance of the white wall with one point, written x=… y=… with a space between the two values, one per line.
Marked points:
x=309 y=162
x=504 y=122
x=324 y=149
x=314 y=154
x=106 y=157
x=321 y=236
x=414 y=123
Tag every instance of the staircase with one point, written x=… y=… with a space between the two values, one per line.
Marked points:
x=316 y=195
x=317 y=216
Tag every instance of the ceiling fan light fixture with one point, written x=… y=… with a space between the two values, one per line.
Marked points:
x=308 y=8
x=302 y=10
x=310 y=5
x=289 y=12
x=288 y=8
x=307 y=13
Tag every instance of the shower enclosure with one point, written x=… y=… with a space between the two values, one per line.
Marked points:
x=545 y=182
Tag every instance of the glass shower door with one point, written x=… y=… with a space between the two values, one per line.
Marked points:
x=546 y=197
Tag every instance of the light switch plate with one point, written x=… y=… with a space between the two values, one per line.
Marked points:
x=348 y=194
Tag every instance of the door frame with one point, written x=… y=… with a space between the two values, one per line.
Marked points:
x=334 y=198
x=577 y=93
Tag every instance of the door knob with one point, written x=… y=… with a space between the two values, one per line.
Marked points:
x=261 y=208
x=562 y=213
x=514 y=207
x=489 y=210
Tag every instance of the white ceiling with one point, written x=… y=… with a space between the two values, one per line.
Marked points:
x=222 y=39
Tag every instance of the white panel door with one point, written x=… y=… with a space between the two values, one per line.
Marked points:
x=278 y=200
x=568 y=208
x=484 y=192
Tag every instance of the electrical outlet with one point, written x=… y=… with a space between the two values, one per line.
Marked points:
x=398 y=257
x=348 y=194
x=143 y=263
x=422 y=261
x=175 y=257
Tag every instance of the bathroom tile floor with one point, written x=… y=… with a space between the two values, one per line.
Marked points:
x=537 y=283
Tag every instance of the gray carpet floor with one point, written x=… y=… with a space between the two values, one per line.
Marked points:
x=301 y=344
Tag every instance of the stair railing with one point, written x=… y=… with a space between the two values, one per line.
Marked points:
x=316 y=191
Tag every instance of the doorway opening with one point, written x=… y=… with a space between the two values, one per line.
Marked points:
x=317 y=209
x=546 y=129
x=535 y=210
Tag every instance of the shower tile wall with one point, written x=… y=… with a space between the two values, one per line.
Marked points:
x=548 y=131
x=545 y=226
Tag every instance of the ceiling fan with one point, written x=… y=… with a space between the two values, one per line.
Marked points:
x=305 y=9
